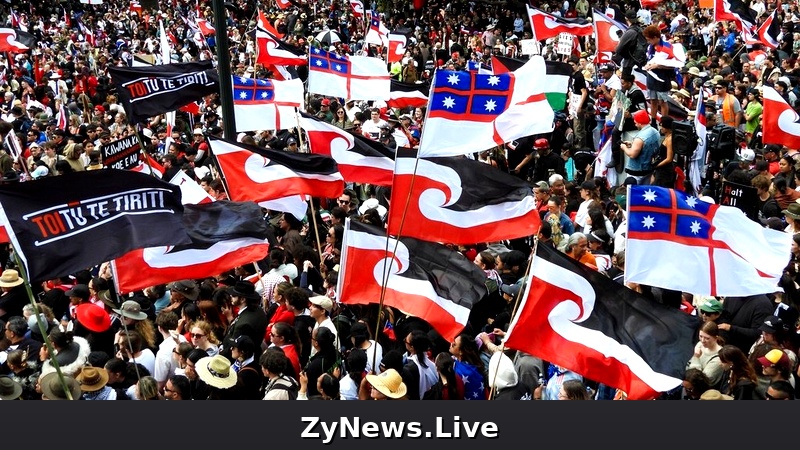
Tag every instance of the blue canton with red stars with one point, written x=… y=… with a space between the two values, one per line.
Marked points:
x=470 y=96
x=666 y=214
x=247 y=91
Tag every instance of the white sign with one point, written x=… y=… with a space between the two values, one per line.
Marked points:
x=564 y=44
x=529 y=46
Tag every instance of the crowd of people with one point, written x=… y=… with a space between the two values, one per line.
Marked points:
x=280 y=332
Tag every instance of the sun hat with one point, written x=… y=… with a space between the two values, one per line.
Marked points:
x=10 y=278
x=694 y=71
x=92 y=379
x=188 y=288
x=9 y=389
x=105 y=297
x=322 y=301
x=93 y=317
x=713 y=394
x=53 y=390
x=793 y=210
x=131 y=310
x=388 y=383
x=216 y=371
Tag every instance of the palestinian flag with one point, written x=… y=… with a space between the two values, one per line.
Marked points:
x=556 y=82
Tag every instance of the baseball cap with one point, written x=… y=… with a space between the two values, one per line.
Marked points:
x=711 y=305
x=776 y=357
x=746 y=155
x=322 y=301
x=771 y=325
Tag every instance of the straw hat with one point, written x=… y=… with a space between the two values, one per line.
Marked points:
x=388 y=383
x=713 y=394
x=216 y=371
x=10 y=278
x=92 y=379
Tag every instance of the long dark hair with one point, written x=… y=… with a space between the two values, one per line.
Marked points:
x=470 y=353
x=741 y=368
x=445 y=366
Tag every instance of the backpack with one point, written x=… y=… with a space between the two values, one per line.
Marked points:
x=291 y=390
x=639 y=53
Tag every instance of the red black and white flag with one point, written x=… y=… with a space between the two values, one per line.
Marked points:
x=459 y=201
x=63 y=224
x=398 y=43
x=271 y=50
x=358 y=8
x=425 y=279
x=780 y=123
x=738 y=11
x=9 y=42
x=607 y=34
x=360 y=160
x=224 y=235
x=575 y=317
x=264 y=24
x=546 y=26
x=408 y=95
x=769 y=31
x=257 y=174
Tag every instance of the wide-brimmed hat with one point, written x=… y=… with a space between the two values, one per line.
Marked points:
x=188 y=288
x=10 y=278
x=9 y=389
x=52 y=389
x=244 y=289
x=105 y=297
x=388 y=383
x=92 y=379
x=216 y=371
x=793 y=210
x=713 y=394
x=131 y=310
x=93 y=317
x=694 y=71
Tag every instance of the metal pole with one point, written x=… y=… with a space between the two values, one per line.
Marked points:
x=224 y=68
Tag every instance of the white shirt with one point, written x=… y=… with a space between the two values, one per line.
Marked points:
x=165 y=364
x=147 y=359
x=327 y=323
x=645 y=16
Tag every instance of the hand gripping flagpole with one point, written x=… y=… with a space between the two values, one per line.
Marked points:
x=50 y=350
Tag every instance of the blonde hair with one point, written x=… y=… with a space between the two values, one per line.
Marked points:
x=208 y=330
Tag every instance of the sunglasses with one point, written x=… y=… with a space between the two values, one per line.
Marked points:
x=343 y=202
x=197 y=335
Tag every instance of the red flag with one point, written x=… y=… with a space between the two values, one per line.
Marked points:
x=270 y=50
x=192 y=108
x=9 y=43
x=407 y=95
x=136 y=8
x=607 y=36
x=780 y=122
x=360 y=160
x=67 y=22
x=577 y=318
x=425 y=280
x=283 y=4
x=649 y=4
x=4 y=235
x=459 y=201
x=397 y=47
x=358 y=8
x=210 y=254
x=148 y=165
x=266 y=25
x=547 y=26
x=205 y=28
x=257 y=174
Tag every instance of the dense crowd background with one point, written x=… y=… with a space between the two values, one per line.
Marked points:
x=279 y=333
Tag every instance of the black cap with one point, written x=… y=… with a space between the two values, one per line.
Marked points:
x=79 y=290
x=244 y=344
